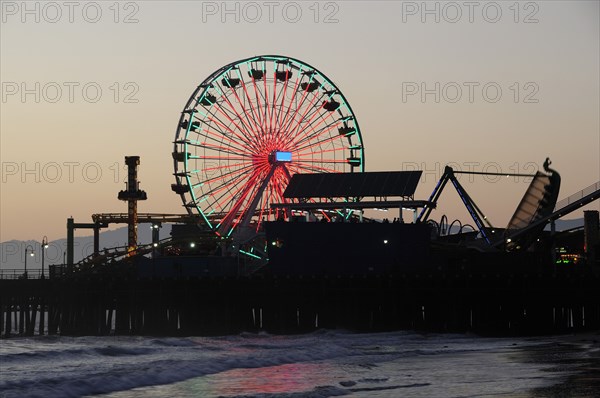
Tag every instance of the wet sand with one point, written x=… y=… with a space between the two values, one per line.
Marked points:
x=575 y=356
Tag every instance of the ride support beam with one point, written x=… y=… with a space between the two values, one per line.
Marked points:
x=250 y=212
x=437 y=191
x=71 y=227
x=471 y=207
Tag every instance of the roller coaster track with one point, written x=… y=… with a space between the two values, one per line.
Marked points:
x=118 y=253
x=115 y=254
x=562 y=208
x=592 y=191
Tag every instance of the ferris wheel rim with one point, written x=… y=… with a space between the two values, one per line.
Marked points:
x=203 y=88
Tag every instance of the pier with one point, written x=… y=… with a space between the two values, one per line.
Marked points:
x=486 y=302
x=277 y=236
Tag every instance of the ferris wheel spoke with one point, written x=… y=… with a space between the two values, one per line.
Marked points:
x=266 y=98
x=274 y=195
x=232 y=114
x=283 y=95
x=244 y=139
x=309 y=140
x=222 y=125
x=311 y=106
x=282 y=180
x=211 y=185
x=282 y=110
x=314 y=110
x=279 y=191
x=258 y=103
x=271 y=201
x=325 y=151
x=227 y=166
x=221 y=158
x=223 y=190
x=261 y=213
x=317 y=169
x=221 y=149
x=323 y=147
x=228 y=175
x=322 y=161
x=266 y=199
x=289 y=117
x=257 y=130
x=261 y=99
x=214 y=123
x=269 y=198
x=218 y=122
x=250 y=131
x=310 y=131
x=318 y=140
x=277 y=101
x=273 y=103
x=294 y=93
x=227 y=223
x=224 y=171
x=252 y=196
x=241 y=193
x=241 y=172
x=219 y=137
x=255 y=113
x=292 y=102
x=271 y=175
x=296 y=130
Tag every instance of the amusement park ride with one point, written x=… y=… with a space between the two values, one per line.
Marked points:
x=267 y=146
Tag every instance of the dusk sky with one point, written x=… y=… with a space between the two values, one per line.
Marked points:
x=507 y=85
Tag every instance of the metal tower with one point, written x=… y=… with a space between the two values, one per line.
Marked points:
x=132 y=194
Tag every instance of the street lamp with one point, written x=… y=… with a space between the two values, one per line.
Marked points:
x=43 y=248
x=29 y=249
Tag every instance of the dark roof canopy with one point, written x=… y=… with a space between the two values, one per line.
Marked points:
x=339 y=185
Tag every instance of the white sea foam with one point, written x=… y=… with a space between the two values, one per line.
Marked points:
x=325 y=363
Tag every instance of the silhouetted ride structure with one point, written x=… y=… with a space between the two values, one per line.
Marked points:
x=269 y=163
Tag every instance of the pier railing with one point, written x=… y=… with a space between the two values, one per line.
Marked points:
x=19 y=273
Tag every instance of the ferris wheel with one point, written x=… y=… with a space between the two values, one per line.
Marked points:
x=248 y=128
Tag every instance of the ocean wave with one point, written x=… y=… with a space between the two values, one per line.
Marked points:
x=317 y=392
x=42 y=354
x=115 y=351
x=97 y=377
x=76 y=367
x=175 y=342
